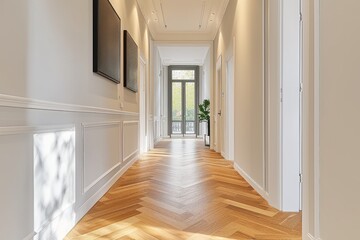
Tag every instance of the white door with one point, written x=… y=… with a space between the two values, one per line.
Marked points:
x=291 y=105
x=230 y=125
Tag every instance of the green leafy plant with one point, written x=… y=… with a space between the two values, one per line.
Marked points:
x=204 y=110
x=204 y=115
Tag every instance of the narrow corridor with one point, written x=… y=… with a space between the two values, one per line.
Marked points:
x=182 y=190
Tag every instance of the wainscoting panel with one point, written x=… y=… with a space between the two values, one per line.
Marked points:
x=157 y=133
x=54 y=183
x=16 y=184
x=130 y=139
x=57 y=161
x=37 y=180
x=102 y=147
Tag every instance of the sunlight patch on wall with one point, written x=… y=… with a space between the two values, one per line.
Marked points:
x=54 y=184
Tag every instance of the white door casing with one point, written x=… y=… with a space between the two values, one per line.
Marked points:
x=143 y=116
x=290 y=105
x=230 y=105
x=218 y=106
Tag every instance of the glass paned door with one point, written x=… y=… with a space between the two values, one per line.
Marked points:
x=190 y=108
x=177 y=113
x=183 y=99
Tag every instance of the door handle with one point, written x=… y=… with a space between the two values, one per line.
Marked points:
x=219 y=113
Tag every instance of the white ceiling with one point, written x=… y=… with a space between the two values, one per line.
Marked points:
x=183 y=19
x=183 y=55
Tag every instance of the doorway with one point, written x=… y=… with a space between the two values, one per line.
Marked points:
x=230 y=107
x=219 y=100
x=183 y=100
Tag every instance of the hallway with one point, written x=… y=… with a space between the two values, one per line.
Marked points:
x=181 y=190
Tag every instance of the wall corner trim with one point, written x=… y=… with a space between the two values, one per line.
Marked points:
x=252 y=182
x=30 y=236
x=100 y=193
x=311 y=237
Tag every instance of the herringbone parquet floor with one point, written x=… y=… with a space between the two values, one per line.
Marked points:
x=182 y=190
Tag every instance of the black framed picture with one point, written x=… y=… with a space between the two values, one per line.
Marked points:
x=106 y=40
x=130 y=62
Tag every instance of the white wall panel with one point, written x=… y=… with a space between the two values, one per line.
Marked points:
x=130 y=139
x=47 y=80
x=54 y=183
x=16 y=185
x=101 y=151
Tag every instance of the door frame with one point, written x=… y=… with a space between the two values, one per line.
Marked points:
x=230 y=103
x=143 y=116
x=290 y=105
x=183 y=84
x=218 y=106
x=282 y=104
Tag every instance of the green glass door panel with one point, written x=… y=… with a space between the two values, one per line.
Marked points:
x=177 y=101
x=190 y=101
x=190 y=107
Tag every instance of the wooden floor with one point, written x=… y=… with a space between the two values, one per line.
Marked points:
x=182 y=190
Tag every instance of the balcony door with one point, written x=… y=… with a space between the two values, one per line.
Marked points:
x=183 y=100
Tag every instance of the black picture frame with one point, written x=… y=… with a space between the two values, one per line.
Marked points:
x=106 y=41
x=130 y=63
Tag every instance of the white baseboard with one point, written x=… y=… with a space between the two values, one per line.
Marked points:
x=30 y=236
x=157 y=140
x=311 y=237
x=100 y=193
x=131 y=156
x=57 y=227
x=91 y=185
x=224 y=155
x=252 y=182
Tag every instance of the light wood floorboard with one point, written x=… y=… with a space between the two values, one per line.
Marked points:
x=182 y=190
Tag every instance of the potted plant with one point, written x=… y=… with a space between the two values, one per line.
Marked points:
x=204 y=115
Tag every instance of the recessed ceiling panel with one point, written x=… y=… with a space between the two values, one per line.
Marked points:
x=183 y=19
x=184 y=15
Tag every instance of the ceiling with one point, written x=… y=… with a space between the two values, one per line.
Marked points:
x=183 y=19
x=183 y=55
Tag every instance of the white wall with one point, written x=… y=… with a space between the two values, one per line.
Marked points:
x=157 y=83
x=273 y=76
x=47 y=87
x=243 y=19
x=308 y=200
x=331 y=150
x=205 y=83
x=274 y=175
x=164 y=102
x=53 y=41
x=206 y=78
x=339 y=118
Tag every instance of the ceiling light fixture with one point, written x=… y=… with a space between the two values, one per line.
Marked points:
x=162 y=12
x=201 y=15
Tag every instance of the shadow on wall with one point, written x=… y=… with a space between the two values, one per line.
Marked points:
x=54 y=184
